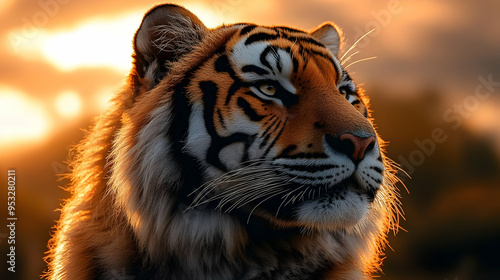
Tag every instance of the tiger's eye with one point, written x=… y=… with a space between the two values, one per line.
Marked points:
x=267 y=89
x=343 y=91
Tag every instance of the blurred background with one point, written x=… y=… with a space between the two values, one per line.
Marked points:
x=434 y=87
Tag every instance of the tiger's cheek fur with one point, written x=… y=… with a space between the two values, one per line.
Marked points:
x=228 y=125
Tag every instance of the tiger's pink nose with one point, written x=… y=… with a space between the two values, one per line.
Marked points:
x=356 y=147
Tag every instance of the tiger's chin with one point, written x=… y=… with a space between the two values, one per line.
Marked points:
x=333 y=213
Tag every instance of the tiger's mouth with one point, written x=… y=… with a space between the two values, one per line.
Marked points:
x=282 y=188
x=325 y=205
x=332 y=191
x=333 y=179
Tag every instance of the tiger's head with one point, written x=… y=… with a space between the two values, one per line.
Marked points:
x=254 y=122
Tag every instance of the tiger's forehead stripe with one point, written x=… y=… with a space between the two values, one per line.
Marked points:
x=263 y=61
x=272 y=33
x=293 y=41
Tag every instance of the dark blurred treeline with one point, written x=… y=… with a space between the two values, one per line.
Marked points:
x=452 y=228
x=451 y=231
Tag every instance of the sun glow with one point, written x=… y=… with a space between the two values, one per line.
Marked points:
x=102 y=97
x=21 y=118
x=100 y=42
x=5 y=4
x=211 y=17
x=96 y=43
x=68 y=104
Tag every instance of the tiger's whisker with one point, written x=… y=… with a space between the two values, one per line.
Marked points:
x=254 y=196
x=355 y=43
x=283 y=200
x=269 y=197
x=349 y=57
x=360 y=60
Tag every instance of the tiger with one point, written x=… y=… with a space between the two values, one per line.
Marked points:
x=237 y=152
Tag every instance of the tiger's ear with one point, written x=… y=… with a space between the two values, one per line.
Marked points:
x=167 y=32
x=329 y=35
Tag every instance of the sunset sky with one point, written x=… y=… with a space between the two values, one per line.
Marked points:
x=60 y=60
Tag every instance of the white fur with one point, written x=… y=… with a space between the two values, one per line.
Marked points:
x=335 y=213
x=198 y=140
x=232 y=155
x=246 y=55
x=238 y=122
x=155 y=168
x=194 y=229
x=145 y=168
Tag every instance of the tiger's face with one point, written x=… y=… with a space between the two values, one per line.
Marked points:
x=276 y=127
x=279 y=99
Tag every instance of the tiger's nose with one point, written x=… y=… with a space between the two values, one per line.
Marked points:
x=351 y=145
